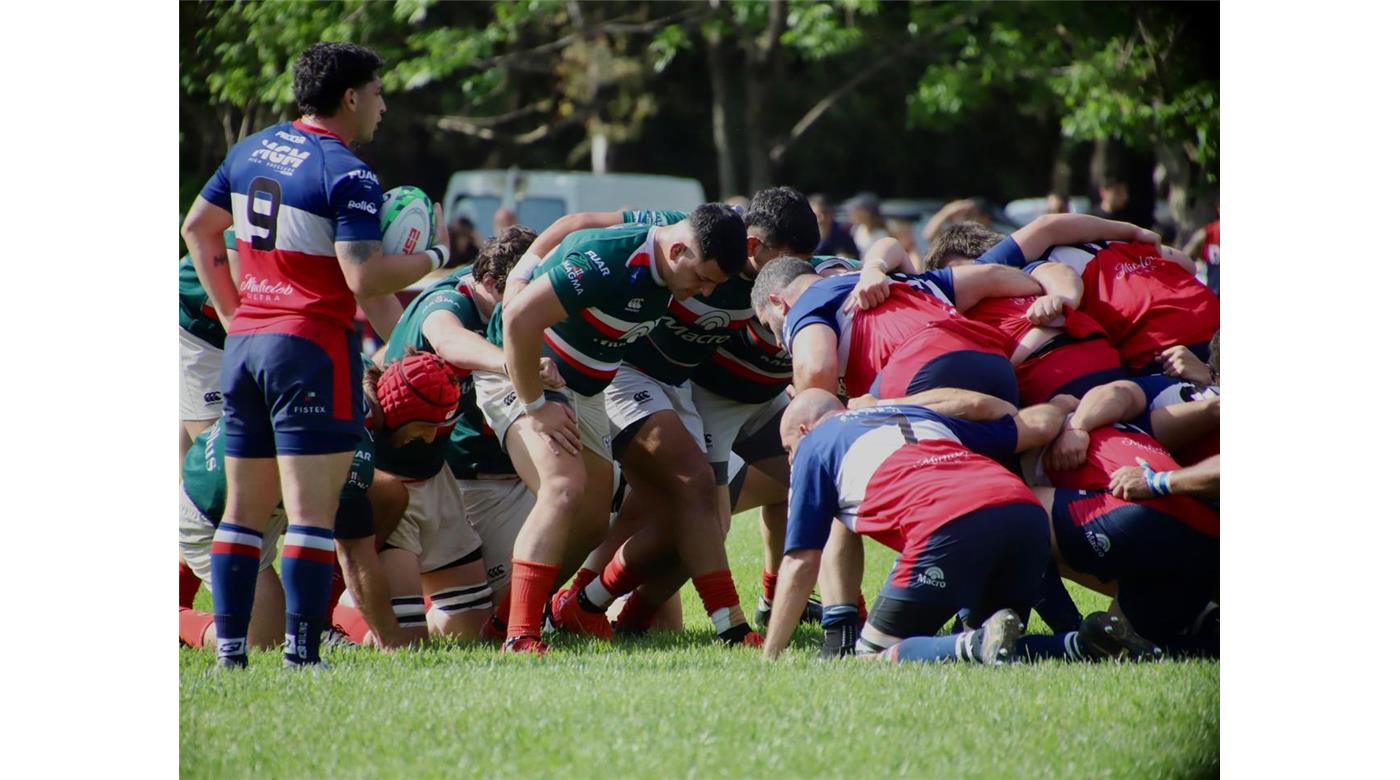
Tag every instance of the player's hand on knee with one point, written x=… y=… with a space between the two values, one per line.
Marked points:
x=1129 y=483
x=556 y=424
x=1068 y=450
x=549 y=374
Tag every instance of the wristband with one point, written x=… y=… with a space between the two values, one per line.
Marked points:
x=534 y=406
x=1159 y=482
x=525 y=267
x=438 y=254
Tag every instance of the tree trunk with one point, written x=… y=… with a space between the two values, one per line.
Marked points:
x=719 y=118
x=763 y=64
x=1184 y=192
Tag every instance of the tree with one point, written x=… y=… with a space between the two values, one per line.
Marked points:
x=1143 y=74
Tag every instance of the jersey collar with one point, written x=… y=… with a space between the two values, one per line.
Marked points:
x=645 y=255
x=305 y=128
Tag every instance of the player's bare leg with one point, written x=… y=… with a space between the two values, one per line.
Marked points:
x=265 y=628
x=843 y=566
x=406 y=588
x=461 y=601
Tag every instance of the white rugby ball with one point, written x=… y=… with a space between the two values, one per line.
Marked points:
x=406 y=219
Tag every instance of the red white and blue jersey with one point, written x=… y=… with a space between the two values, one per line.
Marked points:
x=294 y=190
x=1112 y=447
x=886 y=471
x=1146 y=302
x=1163 y=391
x=866 y=339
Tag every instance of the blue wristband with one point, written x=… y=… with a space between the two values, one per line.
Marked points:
x=1159 y=482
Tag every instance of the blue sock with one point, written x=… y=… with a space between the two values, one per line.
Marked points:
x=308 y=563
x=840 y=626
x=1039 y=647
x=835 y=614
x=233 y=564
x=950 y=647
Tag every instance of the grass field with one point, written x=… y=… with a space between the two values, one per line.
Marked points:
x=680 y=706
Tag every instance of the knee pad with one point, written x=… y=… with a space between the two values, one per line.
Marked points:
x=454 y=600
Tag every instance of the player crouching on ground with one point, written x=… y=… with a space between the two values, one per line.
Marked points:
x=433 y=552
x=926 y=484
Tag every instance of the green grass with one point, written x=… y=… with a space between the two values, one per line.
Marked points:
x=680 y=706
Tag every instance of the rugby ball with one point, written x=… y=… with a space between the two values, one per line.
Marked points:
x=406 y=220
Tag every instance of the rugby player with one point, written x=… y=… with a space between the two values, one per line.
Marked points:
x=1058 y=349
x=925 y=484
x=600 y=291
x=467 y=499
x=664 y=441
x=305 y=210
x=1146 y=296
x=1162 y=552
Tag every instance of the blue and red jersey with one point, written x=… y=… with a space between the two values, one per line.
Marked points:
x=892 y=472
x=294 y=190
x=866 y=339
x=1112 y=447
x=1145 y=302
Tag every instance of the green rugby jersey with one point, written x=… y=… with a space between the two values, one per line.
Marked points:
x=468 y=451
x=656 y=217
x=750 y=367
x=197 y=315
x=608 y=282
x=203 y=475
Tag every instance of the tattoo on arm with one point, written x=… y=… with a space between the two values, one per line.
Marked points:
x=220 y=259
x=361 y=252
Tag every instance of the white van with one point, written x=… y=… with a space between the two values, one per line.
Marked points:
x=540 y=197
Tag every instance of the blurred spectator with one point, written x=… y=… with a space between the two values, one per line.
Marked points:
x=903 y=232
x=738 y=201
x=836 y=238
x=464 y=242
x=867 y=226
x=505 y=217
x=1204 y=248
x=1056 y=203
x=964 y=210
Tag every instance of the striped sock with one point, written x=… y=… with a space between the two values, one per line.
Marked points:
x=233 y=566
x=721 y=602
x=927 y=649
x=308 y=563
x=1040 y=646
x=409 y=611
x=615 y=581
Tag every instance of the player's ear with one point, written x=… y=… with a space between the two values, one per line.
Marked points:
x=350 y=99
x=678 y=250
x=753 y=243
x=778 y=302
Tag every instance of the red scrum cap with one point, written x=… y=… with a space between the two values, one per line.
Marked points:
x=419 y=388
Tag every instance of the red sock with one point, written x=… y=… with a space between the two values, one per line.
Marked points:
x=721 y=601
x=337 y=588
x=860 y=604
x=189 y=586
x=531 y=585
x=618 y=579
x=770 y=584
x=582 y=579
x=193 y=625
x=350 y=620
x=637 y=614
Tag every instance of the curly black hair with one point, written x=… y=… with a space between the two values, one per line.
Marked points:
x=960 y=239
x=324 y=71
x=501 y=254
x=719 y=232
x=786 y=220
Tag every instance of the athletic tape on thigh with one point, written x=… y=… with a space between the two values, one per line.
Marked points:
x=409 y=611
x=455 y=600
x=873 y=640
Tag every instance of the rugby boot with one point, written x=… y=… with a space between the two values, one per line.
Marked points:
x=1103 y=636
x=566 y=614
x=1000 y=633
